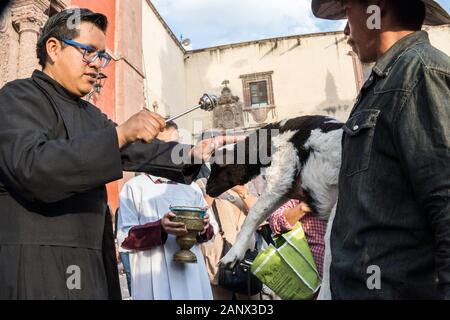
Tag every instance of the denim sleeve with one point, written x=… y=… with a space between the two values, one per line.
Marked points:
x=422 y=136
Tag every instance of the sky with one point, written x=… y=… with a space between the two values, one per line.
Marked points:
x=209 y=23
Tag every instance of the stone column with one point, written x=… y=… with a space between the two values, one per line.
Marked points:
x=28 y=18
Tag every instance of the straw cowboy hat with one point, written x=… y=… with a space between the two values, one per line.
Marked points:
x=333 y=10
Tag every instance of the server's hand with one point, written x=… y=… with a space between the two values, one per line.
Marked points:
x=144 y=125
x=170 y=227
x=205 y=225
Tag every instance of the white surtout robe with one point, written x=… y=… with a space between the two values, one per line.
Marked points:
x=154 y=274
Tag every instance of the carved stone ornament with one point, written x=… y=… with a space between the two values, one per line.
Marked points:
x=29 y=15
x=229 y=114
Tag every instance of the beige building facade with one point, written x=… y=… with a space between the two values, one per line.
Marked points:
x=271 y=79
x=291 y=76
x=121 y=94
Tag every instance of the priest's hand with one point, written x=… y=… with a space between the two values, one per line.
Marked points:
x=204 y=150
x=205 y=224
x=170 y=227
x=144 y=125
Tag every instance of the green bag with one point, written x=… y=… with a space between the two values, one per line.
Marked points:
x=288 y=268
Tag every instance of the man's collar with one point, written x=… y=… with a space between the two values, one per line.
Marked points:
x=160 y=180
x=386 y=62
x=37 y=74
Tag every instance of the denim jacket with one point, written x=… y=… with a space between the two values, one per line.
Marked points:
x=391 y=234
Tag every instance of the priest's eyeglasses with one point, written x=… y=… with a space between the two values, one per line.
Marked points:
x=90 y=54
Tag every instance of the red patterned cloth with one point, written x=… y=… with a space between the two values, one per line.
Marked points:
x=314 y=228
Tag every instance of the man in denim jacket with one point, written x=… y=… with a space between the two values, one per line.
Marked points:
x=391 y=235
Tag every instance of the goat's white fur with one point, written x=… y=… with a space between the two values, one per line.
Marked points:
x=319 y=177
x=280 y=177
x=321 y=172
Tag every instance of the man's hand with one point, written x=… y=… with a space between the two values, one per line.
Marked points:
x=170 y=227
x=206 y=224
x=304 y=207
x=293 y=215
x=206 y=148
x=144 y=125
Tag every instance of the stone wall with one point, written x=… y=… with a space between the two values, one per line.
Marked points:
x=20 y=27
x=305 y=74
x=164 y=64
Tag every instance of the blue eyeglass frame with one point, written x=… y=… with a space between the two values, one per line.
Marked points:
x=99 y=54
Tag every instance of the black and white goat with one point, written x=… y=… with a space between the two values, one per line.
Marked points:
x=308 y=146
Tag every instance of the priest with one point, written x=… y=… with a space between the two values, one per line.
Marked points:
x=57 y=152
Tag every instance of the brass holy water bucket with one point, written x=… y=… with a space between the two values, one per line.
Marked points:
x=192 y=217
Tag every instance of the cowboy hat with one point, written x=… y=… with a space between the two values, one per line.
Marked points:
x=333 y=10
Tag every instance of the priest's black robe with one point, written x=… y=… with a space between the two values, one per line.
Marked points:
x=56 y=155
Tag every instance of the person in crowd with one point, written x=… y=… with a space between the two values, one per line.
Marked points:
x=284 y=219
x=145 y=228
x=390 y=238
x=57 y=154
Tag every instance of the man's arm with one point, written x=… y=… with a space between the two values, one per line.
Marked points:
x=141 y=152
x=177 y=162
x=422 y=135
x=39 y=168
x=161 y=159
x=36 y=166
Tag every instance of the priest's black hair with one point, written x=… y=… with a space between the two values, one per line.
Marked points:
x=410 y=13
x=63 y=25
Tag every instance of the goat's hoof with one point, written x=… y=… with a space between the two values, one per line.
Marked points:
x=232 y=258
